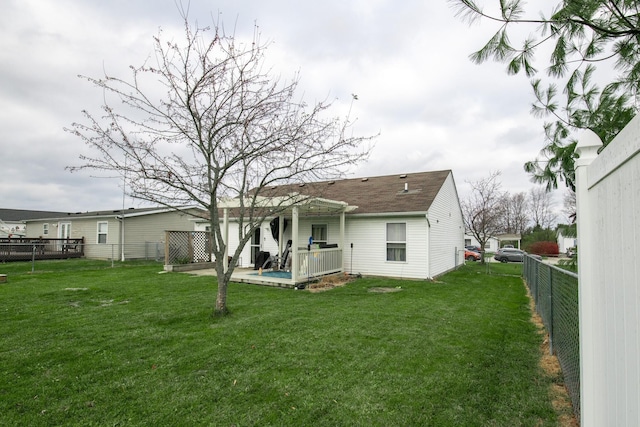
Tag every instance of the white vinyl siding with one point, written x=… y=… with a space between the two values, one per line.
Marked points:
x=369 y=252
x=446 y=230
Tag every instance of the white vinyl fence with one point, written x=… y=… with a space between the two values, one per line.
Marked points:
x=608 y=214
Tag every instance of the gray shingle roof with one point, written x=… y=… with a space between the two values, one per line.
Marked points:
x=14 y=215
x=91 y=214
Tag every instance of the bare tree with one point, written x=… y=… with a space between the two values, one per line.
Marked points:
x=205 y=123
x=569 y=209
x=569 y=205
x=541 y=208
x=482 y=209
x=514 y=215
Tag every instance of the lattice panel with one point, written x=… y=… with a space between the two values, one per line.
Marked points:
x=184 y=247
x=201 y=246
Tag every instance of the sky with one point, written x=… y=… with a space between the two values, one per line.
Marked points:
x=407 y=62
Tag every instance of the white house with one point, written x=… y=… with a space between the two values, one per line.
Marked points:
x=406 y=226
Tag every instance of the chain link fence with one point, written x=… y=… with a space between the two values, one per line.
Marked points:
x=555 y=292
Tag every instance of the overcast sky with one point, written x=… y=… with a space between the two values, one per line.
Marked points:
x=407 y=61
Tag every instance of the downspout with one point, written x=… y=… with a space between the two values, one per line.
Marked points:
x=122 y=237
x=342 y=248
x=225 y=237
x=294 y=245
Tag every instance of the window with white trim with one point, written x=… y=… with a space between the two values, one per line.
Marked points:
x=319 y=233
x=45 y=229
x=103 y=228
x=397 y=242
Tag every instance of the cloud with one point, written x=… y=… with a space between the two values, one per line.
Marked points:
x=407 y=62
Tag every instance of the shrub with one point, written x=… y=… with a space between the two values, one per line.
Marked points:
x=544 y=248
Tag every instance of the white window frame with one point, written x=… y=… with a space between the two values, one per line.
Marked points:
x=104 y=232
x=324 y=227
x=396 y=247
x=45 y=229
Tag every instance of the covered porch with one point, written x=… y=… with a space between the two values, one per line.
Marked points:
x=307 y=261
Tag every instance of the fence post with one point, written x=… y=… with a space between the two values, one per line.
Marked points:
x=551 y=329
x=587 y=150
x=33 y=258
x=166 y=247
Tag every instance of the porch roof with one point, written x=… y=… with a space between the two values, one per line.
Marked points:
x=306 y=205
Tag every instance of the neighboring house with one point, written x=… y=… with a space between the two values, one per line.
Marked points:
x=106 y=235
x=12 y=221
x=494 y=243
x=565 y=243
x=407 y=226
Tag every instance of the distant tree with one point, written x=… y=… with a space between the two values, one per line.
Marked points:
x=206 y=123
x=569 y=205
x=541 y=208
x=514 y=210
x=481 y=210
x=569 y=209
x=585 y=34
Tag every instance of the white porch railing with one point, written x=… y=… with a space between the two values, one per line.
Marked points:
x=318 y=262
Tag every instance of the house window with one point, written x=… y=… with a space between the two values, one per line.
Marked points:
x=487 y=245
x=103 y=227
x=396 y=242
x=319 y=233
x=45 y=229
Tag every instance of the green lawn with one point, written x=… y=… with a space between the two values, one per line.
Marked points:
x=84 y=344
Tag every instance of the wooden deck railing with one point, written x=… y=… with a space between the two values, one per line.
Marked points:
x=25 y=248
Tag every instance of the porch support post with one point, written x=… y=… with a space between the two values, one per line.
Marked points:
x=342 y=248
x=280 y=233
x=225 y=237
x=294 y=244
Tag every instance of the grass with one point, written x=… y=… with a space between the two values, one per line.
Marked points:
x=83 y=344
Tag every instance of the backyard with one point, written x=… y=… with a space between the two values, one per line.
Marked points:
x=84 y=343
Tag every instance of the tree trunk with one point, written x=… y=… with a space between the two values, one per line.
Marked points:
x=221 y=298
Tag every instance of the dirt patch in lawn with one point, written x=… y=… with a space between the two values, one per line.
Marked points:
x=330 y=282
x=382 y=290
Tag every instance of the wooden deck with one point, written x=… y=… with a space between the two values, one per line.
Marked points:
x=26 y=249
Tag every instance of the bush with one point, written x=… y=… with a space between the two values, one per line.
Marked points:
x=544 y=248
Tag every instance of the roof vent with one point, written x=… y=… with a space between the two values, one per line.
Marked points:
x=331 y=182
x=365 y=179
x=301 y=185
x=403 y=176
x=406 y=187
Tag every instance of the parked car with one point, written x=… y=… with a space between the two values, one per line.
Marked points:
x=509 y=255
x=471 y=256
x=473 y=249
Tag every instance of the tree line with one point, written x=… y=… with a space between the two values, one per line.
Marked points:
x=490 y=211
